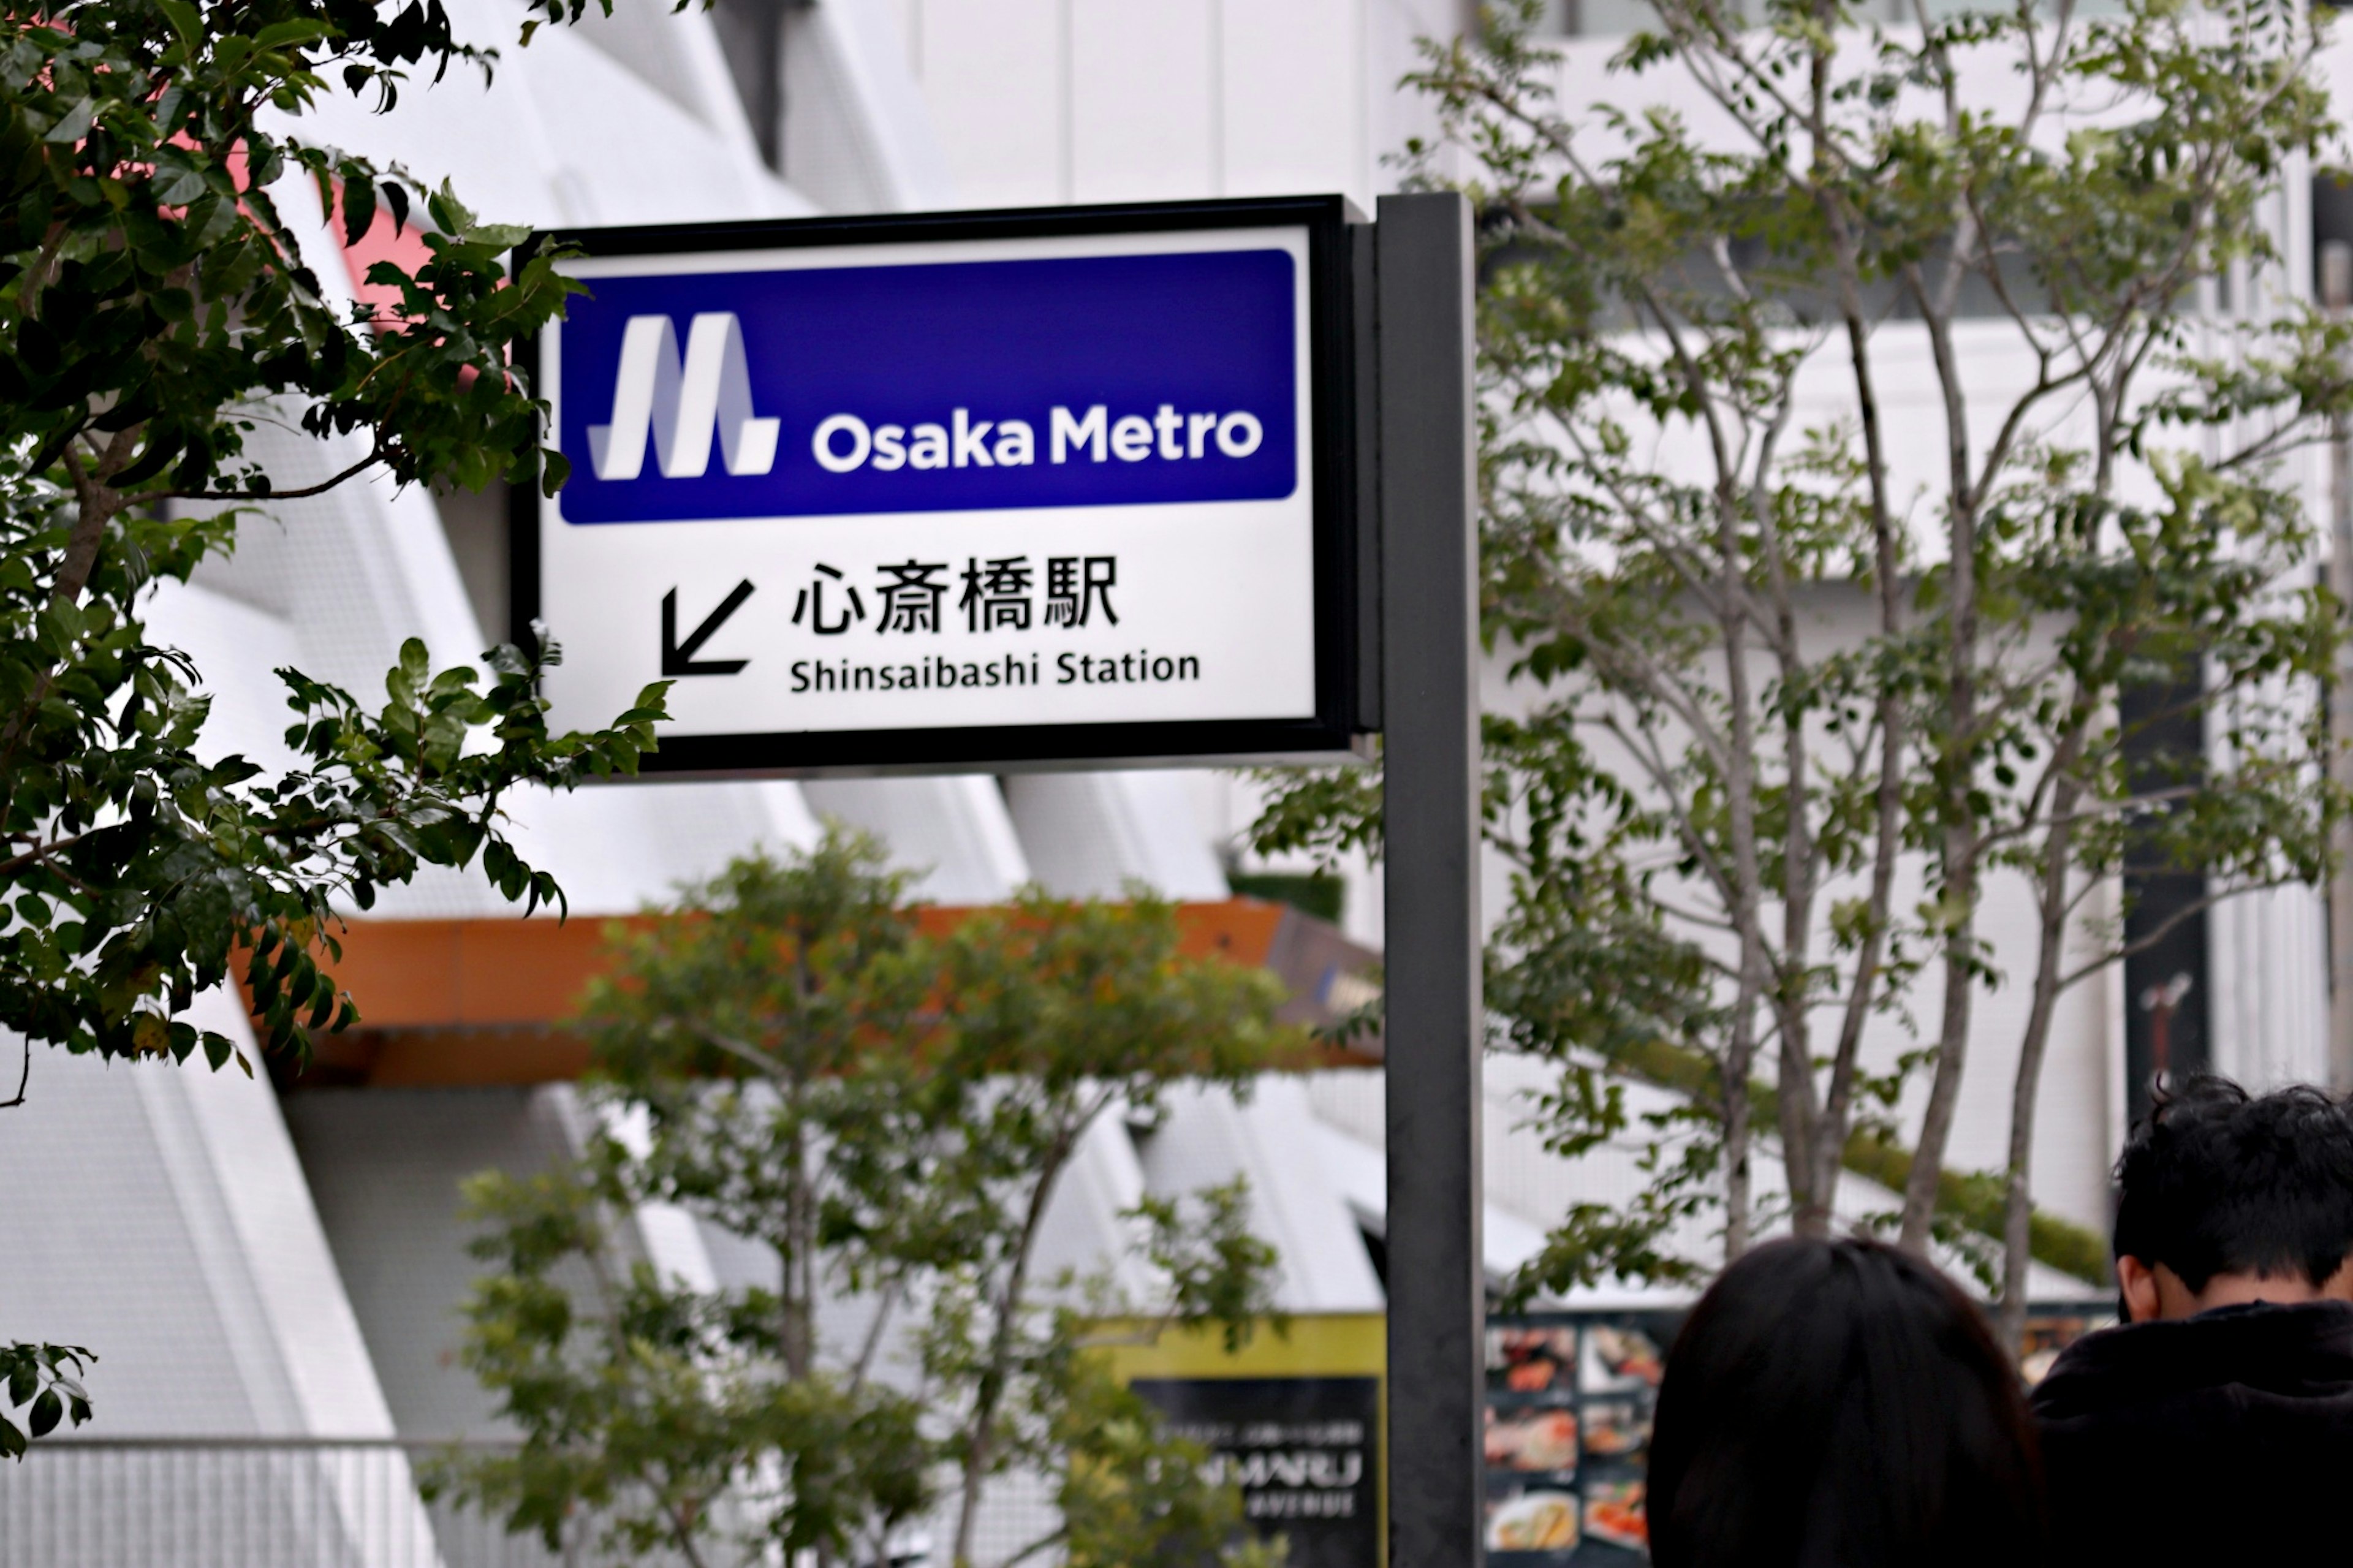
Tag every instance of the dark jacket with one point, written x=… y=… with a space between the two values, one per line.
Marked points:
x=2222 y=1438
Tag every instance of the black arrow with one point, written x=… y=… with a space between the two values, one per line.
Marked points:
x=678 y=658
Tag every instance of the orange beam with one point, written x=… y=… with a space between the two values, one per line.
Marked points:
x=467 y=1001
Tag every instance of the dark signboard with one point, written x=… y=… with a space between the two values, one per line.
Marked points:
x=1303 y=1451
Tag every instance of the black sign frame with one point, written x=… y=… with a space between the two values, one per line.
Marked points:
x=1344 y=559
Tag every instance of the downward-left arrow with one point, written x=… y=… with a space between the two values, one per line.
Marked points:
x=678 y=658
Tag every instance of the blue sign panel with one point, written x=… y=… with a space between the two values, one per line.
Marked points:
x=953 y=386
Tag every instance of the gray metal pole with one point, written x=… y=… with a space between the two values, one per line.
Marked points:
x=1430 y=558
x=2336 y=290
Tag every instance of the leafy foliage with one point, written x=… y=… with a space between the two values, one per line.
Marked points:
x=153 y=308
x=154 y=312
x=1785 y=650
x=884 y=1116
x=1131 y=1494
x=153 y=291
x=47 y=1378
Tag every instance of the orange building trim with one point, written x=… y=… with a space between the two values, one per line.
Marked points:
x=477 y=1002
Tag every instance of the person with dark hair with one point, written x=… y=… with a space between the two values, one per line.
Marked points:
x=1841 y=1405
x=2230 y=1384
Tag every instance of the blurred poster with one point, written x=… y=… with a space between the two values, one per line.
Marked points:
x=1292 y=1418
x=1569 y=1402
x=1302 y=1450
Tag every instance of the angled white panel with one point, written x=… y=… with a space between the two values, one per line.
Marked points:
x=274 y=1230
x=1359 y=1172
x=186 y=1253
x=670 y=1235
x=678 y=53
x=570 y=134
x=266 y=1256
x=618 y=847
x=383 y=1167
x=1207 y=1138
x=953 y=830
x=1089 y=835
x=858 y=134
x=791 y=823
x=1081 y=1230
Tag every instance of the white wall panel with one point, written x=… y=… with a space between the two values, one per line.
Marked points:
x=1294 y=98
x=1054 y=101
x=993 y=72
x=1207 y=1138
x=2269 y=1013
x=1144 y=109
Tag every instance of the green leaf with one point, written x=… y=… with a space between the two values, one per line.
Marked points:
x=74 y=123
x=293 y=33
x=359 y=208
x=187 y=25
x=450 y=215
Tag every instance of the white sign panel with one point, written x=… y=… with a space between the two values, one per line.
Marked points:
x=925 y=492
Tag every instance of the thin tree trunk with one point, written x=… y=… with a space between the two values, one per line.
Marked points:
x=1800 y=1124
x=1747 y=883
x=1828 y=1150
x=798 y=1307
x=2017 y=1191
x=1962 y=844
x=996 y=1375
x=1738 y=1180
x=1962 y=837
x=1952 y=1049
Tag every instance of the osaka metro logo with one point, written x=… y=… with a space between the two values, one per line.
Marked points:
x=681 y=401
x=818 y=390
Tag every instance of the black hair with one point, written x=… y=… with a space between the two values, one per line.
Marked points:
x=2218 y=1181
x=1841 y=1404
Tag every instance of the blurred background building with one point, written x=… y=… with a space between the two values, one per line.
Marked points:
x=272 y=1270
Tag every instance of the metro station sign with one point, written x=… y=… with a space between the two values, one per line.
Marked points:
x=1070 y=486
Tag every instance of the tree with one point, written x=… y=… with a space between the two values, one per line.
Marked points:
x=154 y=309
x=886 y=1117
x=1765 y=669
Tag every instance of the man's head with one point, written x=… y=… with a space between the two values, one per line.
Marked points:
x=2228 y=1198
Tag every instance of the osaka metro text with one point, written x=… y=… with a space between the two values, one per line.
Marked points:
x=845 y=442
